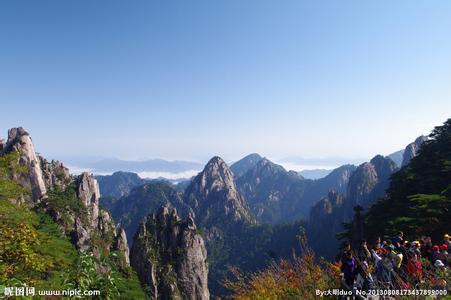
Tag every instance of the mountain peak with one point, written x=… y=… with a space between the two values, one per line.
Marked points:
x=19 y=140
x=216 y=175
x=216 y=161
x=376 y=159
x=240 y=167
x=213 y=193
x=413 y=149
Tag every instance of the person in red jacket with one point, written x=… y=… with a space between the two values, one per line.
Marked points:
x=414 y=267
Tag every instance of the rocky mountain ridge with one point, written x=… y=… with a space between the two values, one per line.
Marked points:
x=119 y=184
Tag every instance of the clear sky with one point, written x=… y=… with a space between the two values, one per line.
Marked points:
x=193 y=79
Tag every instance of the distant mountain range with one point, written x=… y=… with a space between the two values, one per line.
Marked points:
x=178 y=170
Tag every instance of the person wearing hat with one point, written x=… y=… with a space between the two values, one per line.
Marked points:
x=446 y=240
x=443 y=256
x=439 y=264
x=438 y=280
x=435 y=253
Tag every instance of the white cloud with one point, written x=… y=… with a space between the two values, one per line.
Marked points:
x=146 y=174
x=169 y=175
x=74 y=170
x=77 y=170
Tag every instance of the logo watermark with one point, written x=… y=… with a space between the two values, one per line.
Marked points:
x=6 y=291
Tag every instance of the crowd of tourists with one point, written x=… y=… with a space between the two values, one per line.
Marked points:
x=396 y=263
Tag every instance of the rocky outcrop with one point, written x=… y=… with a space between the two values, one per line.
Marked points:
x=327 y=205
x=89 y=194
x=121 y=245
x=81 y=236
x=369 y=182
x=170 y=258
x=98 y=220
x=55 y=174
x=413 y=149
x=19 y=140
x=213 y=196
x=397 y=157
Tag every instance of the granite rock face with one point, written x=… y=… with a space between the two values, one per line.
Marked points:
x=20 y=140
x=327 y=205
x=89 y=194
x=121 y=245
x=213 y=194
x=413 y=149
x=98 y=220
x=55 y=174
x=369 y=182
x=170 y=257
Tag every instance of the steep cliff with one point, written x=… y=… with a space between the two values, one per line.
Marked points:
x=170 y=258
x=213 y=196
x=369 y=182
x=413 y=149
x=19 y=140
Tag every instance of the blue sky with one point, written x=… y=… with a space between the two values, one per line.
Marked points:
x=193 y=79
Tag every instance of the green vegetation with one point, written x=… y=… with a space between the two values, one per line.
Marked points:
x=419 y=196
x=9 y=189
x=35 y=252
x=65 y=201
x=32 y=250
